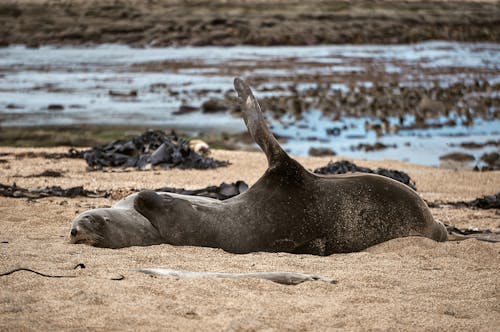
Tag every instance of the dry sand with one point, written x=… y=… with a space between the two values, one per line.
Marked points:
x=403 y=284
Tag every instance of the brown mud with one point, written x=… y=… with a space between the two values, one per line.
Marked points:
x=255 y=22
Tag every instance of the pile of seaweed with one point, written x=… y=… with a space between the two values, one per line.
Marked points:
x=222 y=192
x=53 y=191
x=485 y=202
x=152 y=148
x=344 y=166
x=72 y=153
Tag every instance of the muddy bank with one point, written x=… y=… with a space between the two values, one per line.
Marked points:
x=222 y=23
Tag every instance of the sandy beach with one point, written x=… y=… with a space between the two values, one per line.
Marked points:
x=404 y=284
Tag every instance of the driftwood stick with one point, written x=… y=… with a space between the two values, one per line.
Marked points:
x=285 y=278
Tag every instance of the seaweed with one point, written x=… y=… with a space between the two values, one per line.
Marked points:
x=344 y=166
x=53 y=191
x=152 y=148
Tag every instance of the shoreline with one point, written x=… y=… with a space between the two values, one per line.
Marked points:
x=88 y=135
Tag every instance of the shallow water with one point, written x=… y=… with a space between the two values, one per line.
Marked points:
x=79 y=80
x=420 y=146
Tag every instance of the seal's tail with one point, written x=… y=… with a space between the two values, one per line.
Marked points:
x=257 y=126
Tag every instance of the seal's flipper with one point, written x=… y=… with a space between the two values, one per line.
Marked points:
x=257 y=126
x=153 y=206
x=167 y=214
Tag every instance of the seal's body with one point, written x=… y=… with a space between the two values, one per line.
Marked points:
x=289 y=208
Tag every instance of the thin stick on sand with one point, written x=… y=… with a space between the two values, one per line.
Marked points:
x=284 y=278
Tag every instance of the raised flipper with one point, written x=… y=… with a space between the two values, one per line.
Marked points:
x=153 y=206
x=257 y=126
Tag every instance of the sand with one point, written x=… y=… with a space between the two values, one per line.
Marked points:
x=403 y=284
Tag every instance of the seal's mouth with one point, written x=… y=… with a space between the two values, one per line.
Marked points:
x=77 y=236
x=82 y=241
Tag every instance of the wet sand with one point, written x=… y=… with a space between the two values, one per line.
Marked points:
x=403 y=284
x=254 y=22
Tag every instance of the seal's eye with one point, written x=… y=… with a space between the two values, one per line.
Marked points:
x=96 y=220
x=73 y=232
x=106 y=219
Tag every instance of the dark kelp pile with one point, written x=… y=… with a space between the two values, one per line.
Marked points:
x=344 y=166
x=53 y=191
x=48 y=174
x=222 y=192
x=485 y=202
x=72 y=153
x=152 y=148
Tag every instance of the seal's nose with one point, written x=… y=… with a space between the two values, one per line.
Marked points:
x=73 y=232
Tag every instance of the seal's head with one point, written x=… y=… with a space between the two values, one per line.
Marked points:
x=88 y=228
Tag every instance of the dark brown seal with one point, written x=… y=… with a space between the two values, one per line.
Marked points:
x=289 y=208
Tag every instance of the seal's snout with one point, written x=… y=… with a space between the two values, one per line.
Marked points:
x=86 y=228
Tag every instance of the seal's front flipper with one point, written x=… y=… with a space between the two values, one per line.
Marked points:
x=153 y=206
x=172 y=217
x=257 y=126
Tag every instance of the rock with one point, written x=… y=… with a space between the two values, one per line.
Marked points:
x=131 y=93
x=492 y=160
x=458 y=157
x=373 y=147
x=475 y=145
x=55 y=107
x=213 y=106
x=335 y=131
x=321 y=152
x=185 y=109
x=199 y=146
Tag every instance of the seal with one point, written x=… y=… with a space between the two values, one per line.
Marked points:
x=288 y=209
x=116 y=227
